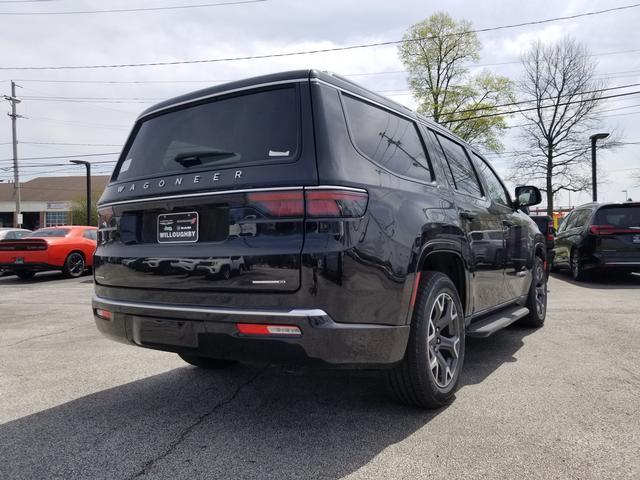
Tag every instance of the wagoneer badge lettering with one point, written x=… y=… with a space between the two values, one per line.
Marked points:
x=178 y=181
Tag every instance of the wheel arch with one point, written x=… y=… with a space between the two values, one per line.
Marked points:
x=448 y=261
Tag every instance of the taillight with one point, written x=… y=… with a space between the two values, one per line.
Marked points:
x=106 y=224
x=550 y=235
x=278 y=204
x=610 y=230
x=266 y=329
x=330 y=203
x=313 y=203
x=104 y=314
x=105 y=216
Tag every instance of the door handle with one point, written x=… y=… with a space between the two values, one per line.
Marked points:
x=467 y=214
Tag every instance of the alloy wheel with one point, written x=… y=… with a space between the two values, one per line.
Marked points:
x=443 y=339
x=541 y=289
x=75 y=264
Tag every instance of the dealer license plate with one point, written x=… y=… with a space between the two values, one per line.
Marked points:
x=178 y=227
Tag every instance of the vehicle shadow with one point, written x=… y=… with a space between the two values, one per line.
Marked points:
x=603 y=280
x=42 y=277
x=244 y=422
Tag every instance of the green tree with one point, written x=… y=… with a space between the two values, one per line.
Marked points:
x=437 y=53
x=79 y=210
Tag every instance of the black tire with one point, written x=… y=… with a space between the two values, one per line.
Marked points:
x=537 y=299
x=25 y=274
x=575 y=266
x=74 y=265
x=413 y=381
x=206 y=363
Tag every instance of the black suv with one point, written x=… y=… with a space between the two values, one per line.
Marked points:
x=599 y=237
x=299 y=216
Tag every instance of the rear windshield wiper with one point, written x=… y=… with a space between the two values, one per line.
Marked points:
x=191 y=159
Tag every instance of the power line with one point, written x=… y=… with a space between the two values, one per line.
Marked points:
x=124 y=10
x=360 y=74
x=64 y=156
x=543 y=106
x=72 y=144
x=82 y=124
x=321 y=50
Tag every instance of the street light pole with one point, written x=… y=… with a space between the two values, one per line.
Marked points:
x=626 y=195
x=88 y=166
x=594 y=178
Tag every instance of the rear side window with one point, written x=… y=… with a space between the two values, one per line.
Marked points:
x=464 y=176
x=580 y=218
x=496 y=190
x=49 y=232
x=619 y=216
x=388 y=139
x=260 y=127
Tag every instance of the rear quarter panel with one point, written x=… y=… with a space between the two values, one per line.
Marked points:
x=376 y=257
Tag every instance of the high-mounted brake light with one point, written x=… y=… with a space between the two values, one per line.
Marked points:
x=266 y=329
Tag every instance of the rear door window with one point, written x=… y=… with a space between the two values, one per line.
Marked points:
x=464 y=176
x=252 y=128
x=388 y=139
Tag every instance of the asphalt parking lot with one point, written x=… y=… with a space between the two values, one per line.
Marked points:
x=560 y=402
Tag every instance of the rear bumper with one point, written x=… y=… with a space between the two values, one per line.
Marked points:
x=599 y=261
x=212 y=332
x=28 y=266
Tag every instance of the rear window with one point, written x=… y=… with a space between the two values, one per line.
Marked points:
x=619 y=216
x=49 y=232
x=260 y=127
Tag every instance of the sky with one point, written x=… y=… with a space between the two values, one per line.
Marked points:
x=267 y=27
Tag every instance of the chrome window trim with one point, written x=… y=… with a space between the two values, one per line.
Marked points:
x=296 y=312
x=224 y=92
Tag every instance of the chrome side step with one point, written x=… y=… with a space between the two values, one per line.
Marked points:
x=497 y=321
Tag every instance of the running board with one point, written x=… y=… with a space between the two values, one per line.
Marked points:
x=497 y=321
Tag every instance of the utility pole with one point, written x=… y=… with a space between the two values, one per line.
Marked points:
x=17 y=218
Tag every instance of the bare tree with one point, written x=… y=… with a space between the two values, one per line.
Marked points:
x=560 y=81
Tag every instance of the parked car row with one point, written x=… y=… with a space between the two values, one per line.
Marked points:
x=596 y=237
x=67 y=248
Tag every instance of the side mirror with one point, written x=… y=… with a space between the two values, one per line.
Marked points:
x=527 y=196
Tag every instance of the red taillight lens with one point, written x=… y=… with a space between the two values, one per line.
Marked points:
x=319 y=203
x=104 y=314
x=335 y=203
x=602 y=229
x=610 y=230
x=266 y=329
x=278 y=204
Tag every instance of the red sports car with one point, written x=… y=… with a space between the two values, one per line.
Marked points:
x=67 y=248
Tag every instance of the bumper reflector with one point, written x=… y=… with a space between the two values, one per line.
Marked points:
x=104 y=314
x=265 y=329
